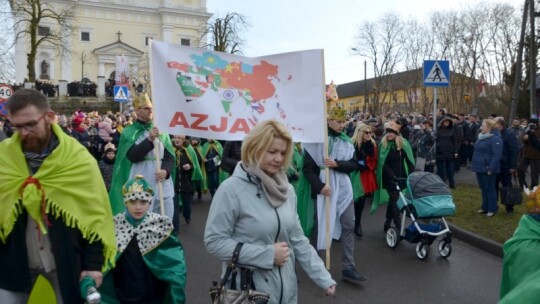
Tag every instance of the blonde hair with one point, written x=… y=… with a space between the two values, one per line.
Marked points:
x=490 y=123
x=398 y=141
x=260 y=138
x=358 y=136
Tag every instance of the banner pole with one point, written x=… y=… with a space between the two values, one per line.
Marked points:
x=327 y=201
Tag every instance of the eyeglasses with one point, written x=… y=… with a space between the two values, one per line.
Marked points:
x=367 y=132
x=29 y=126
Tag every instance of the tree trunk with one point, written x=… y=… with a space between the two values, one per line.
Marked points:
x=31 y=65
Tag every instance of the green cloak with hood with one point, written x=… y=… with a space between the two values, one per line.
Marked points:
x=381 y=195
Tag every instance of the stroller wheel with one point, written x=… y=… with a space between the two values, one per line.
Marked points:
x=392 y=237
x=422 y=250
x=445 y=248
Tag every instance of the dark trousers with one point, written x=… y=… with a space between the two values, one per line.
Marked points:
x=489 y=193
x=187 y=199
x=198 y=188
x=445 y=169
x=463 y=153
x=392 y=210
x=470 y=151
x=358 y=210
x=176 y=213
x=213 y=181
x=523 y=165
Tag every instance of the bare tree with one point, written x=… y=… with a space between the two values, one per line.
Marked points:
x=225 y=33
x=41 y=23
x=7 y=56
x=381 y=41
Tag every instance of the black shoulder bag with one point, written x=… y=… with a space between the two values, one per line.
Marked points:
x=246 y=295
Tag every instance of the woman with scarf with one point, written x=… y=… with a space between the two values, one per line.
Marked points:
x=395 y=163
x=257 y=207
x=486 y=162
x=366 y=155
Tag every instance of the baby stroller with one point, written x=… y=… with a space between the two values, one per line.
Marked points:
x=426 y=201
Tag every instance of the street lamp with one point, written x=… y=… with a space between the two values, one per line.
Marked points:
x=365 y=82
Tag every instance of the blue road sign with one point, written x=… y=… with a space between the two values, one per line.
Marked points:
x=121 y=94
x=436 y=73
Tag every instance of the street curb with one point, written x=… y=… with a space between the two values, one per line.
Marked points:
x=476 y=240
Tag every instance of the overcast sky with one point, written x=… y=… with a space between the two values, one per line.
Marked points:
x=281 y=26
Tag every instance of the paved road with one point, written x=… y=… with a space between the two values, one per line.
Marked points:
x=394 y=275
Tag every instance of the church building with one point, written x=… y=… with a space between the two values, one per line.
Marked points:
x=105 y=29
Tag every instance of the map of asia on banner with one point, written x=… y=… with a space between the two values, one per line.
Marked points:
x=216 y=95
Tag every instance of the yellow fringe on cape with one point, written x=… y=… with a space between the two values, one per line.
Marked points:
x=68 y=181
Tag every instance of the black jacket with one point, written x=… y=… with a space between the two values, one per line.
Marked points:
x=72 y=254
x=183 y=177
x=232 y=153
x=447 y=141
x=311 y=170
x=137 y=153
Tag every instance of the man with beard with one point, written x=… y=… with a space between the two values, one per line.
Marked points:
x=136 y=155
x=55 y=219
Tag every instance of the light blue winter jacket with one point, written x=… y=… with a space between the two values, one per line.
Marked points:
x=240 y=212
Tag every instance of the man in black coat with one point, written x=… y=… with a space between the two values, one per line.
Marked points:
x=508 y=159
x=446 y=150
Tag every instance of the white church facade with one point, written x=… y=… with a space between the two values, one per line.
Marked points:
x=104 y=29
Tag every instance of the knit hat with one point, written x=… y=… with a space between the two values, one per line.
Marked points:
x=62 y=120
x=337 y=113
x=392 y=126
x=137 y=189
x=109 y=148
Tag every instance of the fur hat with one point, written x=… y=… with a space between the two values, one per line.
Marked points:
x=337 y=113
x=392 y=126
x=137 y=189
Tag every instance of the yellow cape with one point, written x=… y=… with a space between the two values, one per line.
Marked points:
x=69 y=185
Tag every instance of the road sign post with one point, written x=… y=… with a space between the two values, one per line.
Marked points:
x=436 y=74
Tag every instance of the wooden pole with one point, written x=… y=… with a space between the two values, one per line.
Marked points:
x=327 y=201
x=159 y=184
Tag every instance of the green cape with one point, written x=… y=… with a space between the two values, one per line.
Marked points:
x=381 y=195
x=122 y=165
x=521 y=265
x=63 y=184
x=166 y=261
x=222 y=174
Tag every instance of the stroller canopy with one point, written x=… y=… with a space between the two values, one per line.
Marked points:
x=422 y=184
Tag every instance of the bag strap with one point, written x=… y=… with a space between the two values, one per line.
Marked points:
x=232 y=265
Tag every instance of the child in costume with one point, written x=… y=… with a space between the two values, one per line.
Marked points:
x=150 y=266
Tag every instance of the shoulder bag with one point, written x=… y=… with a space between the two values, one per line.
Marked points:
x=247 y=293
x=511 y=195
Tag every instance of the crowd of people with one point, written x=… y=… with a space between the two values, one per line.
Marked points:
x=268 y=193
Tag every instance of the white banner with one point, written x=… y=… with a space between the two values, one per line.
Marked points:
x=221 y=96
x=122 y=71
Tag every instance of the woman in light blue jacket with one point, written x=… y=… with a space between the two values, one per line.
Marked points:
x=257 y=206
x=486 y=163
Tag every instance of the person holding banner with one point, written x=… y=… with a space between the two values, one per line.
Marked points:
x=137 y=155
x=341 y=163
x=257 y=206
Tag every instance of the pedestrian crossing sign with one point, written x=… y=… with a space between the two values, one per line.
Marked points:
x=436 y=73
x=121 y=94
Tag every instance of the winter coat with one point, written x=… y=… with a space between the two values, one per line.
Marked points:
x=106 y=167
x=447 y=141
x=531 y=147
x=487 y=153
x=232 y=152
x=367 y=161
x=510 y=149
x=241 y=212
x=71 y=251
x=106 y=130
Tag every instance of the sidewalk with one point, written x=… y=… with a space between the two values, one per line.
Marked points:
x=467 y=177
